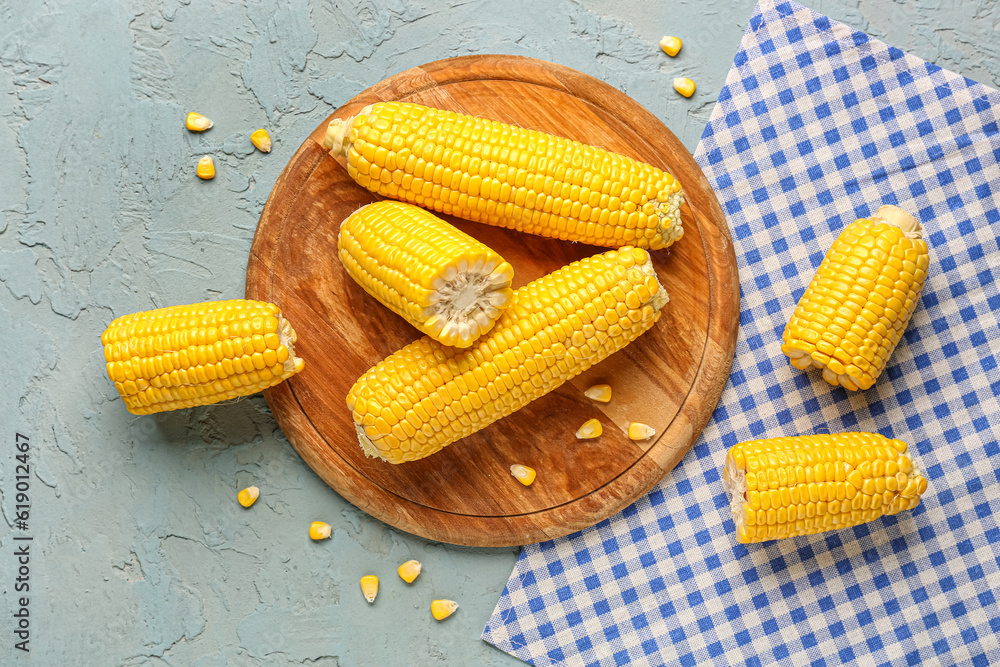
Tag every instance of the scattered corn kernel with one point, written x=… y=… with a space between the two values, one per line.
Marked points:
x=262 y=140
x=206 y=168
x=637 y=431
x=684 y=86
x=523 y=474
x=409 y=570
x=671 y=45
x=369 y=586
x=442 y=609
x=599 y=392
x=197 y=123
x=318 y=530
x=248 y=496
x=591 y=429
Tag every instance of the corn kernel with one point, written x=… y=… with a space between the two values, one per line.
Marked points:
x=671 y=45
x=442 y=609
x=599 y=392
x=262 y=140
x=684 y=86
x=637 y=431
x=206 y=168
x=248 y=496
x=523 y=474
x=318 y=530
x=369 y=587
x=590 y=429
x=409 y=570
x=197 y=123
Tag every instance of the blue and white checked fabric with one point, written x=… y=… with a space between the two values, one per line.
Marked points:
x=817 y=125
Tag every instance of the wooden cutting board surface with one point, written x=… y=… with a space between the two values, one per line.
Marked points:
x=670 y=378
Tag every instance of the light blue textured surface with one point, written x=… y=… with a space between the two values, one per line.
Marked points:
x=141 y=555
x=818 y=125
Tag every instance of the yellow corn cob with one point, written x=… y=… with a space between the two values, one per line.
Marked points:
x=428 y=395
x=508 y=176
x=183 y=356
x=439 y=279
x=858 y=304
x=784 y=487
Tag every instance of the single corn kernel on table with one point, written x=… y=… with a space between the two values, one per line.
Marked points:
x=141 y=552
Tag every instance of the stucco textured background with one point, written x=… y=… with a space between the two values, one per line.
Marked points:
x=141 y=555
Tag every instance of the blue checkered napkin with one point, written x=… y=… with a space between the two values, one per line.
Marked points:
x=817 y=125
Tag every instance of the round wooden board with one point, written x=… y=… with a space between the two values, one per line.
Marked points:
x=670 y=378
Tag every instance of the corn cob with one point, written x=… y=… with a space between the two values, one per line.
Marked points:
x=369 y=587
x=784 y=487
x=428 y=395
x=442 y=609
x=439 y=279
x=858 y=304
x=508 y=176
x=183 y=356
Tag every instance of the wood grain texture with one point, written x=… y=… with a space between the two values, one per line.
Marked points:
x=670 y=378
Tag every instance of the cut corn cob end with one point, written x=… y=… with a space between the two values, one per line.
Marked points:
x=369 y=587
x=319 y=530
x=637 y=431
x=248 y=496
x=858 y=304
x=523 y=474
x=198 y=354
x=197 y=123
x=409 y=570
x=206 y=168
x=671 y=45
x=599 y=392
x=262 y=140
x=590 y=429
x=623 y=212
x=684 y=86
x=442 y=609
x=439 y=279
x=785 y=487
